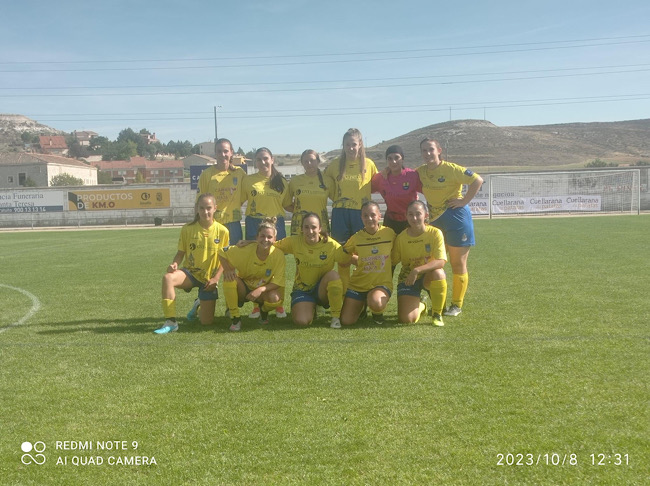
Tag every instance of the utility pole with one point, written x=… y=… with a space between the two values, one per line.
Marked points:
x=216 y=134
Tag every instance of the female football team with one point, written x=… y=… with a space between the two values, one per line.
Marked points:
x=412 y=233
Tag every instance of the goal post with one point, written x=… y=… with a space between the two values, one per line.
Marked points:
x=559 y=193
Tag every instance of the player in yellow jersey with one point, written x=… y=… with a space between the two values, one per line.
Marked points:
x=442 y=184
x=198 y=247
x=224 y=181
x=308 y=192
x=254 y=273
x=316 y=282
x=371 y=282
x=353 y=173
x=265 y=193
x=420 y=249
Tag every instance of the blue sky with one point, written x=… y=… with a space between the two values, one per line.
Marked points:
x=294 y=74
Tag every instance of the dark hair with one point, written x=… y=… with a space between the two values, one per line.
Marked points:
x=268 y=223
x=323 y=233
x=435 y=142
x=232 y=151
x=394 y=149
x=370 y=203
x=277 y=181
x=318 y=172
x=352 y=132
x=421 y=203
x=205 y=195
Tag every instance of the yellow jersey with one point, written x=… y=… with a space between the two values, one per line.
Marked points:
x=226 y=187
x=354 y=188
x=312 y=261
x=414 y=251
x=263 y=201
x=443 y=183
x=201 y=247
x=253 y=271
x=309 y=195
x=374 y=266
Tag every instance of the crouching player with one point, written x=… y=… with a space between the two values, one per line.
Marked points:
x=371 y=283
x=420 y=249
x=198 y=245
x=316 y=282
x=254 y=273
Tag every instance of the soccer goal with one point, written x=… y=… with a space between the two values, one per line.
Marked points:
x=576 y=192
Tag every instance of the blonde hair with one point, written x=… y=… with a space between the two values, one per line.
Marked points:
x=268 y=223
x=352 y=132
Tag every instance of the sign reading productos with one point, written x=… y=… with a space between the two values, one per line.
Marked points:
x=112 y=199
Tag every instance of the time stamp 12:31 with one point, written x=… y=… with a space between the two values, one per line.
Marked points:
x=561 y=459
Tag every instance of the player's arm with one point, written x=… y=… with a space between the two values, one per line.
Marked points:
x=472 y=190
x=427 y=267
x=228 y=269
x=176 y=262
x=256 y=293
x=287 y=200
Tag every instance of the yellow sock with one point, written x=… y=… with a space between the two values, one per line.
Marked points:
x=438 y=293
x=269 y=306
x=169 y=308
x=232 y=299
x=344 y=273
x=335 y=297
x=459 y=288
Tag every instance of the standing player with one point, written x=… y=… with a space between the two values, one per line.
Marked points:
x=316 y=282
x=224 y=181
x=371 y=283
x=353 y=173
x=398 y=186
x=308 y=192
x=442 y=184
x=199 y=244
x=254 y=273
x=421 y=250
x=265 y=192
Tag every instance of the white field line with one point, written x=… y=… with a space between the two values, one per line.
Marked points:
x=36 y=305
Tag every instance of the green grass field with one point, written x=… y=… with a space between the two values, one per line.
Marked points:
x=548 y=362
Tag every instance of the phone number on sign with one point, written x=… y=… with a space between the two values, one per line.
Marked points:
x=561 y=459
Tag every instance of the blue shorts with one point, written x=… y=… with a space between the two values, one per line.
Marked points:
x=203 y=294
x=456 y=226
x=236 y=234
x=415 y=290
x=363 y=296
x=253 y=223
x=310 y=295
x=345 y=223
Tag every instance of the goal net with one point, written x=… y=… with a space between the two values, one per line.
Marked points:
x=576 y=192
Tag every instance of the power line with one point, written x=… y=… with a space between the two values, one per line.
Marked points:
x=331 y=88
x=283 y=56
x=275 y=83
x=302 y=63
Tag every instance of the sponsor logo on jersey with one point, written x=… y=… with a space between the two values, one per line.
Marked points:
x=192 y=246
x=298 y=192
x=253 y=193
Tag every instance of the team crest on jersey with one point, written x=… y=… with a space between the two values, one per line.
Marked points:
x=427 y=248
x=468 y=173
x=192 y=246
x=374 y=250
x=268 y=272
x=217 y=240
x=441 y=179
x=323 y=255
x=406 y=186
x=234 y=181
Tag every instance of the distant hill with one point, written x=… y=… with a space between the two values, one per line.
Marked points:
x=13 y=126
x=478 y=143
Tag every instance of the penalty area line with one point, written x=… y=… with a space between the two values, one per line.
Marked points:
x=36 y=305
